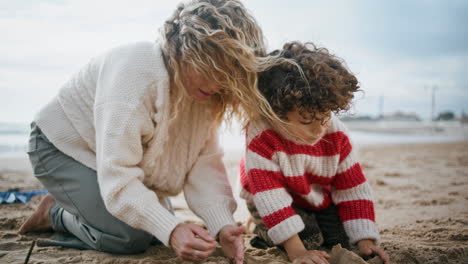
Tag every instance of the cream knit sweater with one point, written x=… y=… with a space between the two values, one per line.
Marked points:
x=113 y=117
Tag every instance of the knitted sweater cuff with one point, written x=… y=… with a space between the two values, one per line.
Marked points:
x=159 y=222
x=216 y=217
x=286 y=229
x=359 y=229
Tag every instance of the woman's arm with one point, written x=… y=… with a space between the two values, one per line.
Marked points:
x=123 y=80
x=207 y=189
x=119 y=128
x=209 y=195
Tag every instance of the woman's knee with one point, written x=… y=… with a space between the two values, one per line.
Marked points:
x=129 y=241
x=139 y=241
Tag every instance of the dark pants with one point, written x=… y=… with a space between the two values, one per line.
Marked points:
x=322 y=228
x=80 y=210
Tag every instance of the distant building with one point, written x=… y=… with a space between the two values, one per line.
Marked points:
x=400 y=116
x=356 y=118
x=445 y=116
x=396 y=116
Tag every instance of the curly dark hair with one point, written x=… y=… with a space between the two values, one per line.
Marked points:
x=320 y=84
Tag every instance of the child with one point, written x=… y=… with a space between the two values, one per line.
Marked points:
x=302 y=182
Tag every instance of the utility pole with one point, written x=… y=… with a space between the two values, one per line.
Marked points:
x=433 y=100
x=381 y=106
x=433 y=103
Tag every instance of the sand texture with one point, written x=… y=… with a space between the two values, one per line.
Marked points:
x=421 y=198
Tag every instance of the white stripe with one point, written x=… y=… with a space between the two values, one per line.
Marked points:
x=298 y=164
x=286 y=229
x=268 y=202
x=255 y=129
x=255 y=161
x=315 y=196
x=359 y=229
x=347 y=163
x=360 y=192
x=337 y=125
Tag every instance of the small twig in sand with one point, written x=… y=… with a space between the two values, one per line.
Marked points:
x=29 y=252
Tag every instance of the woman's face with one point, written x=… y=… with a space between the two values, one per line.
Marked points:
x=199 y=88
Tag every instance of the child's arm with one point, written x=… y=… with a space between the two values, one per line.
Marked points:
x=296 y=251
x=267 y=186
x=353 y=196
x=294 y=247
x=273 y=203
x=368 y=246
x=272 y=200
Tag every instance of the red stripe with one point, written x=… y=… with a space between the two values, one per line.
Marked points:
x=356 y=209
x=326 y=146
x=301 y=184
x=322 y=180
x=266 y=144
x=263 y=180
x=346 y=148
x=349 y=178
x=269 y=142
x=277 y=217
x=299 y=201
x=243 y=176
x=298 y=184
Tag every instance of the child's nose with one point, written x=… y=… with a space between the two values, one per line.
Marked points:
x=317 y=131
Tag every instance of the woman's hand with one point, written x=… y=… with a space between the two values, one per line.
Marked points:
x=232 y=242
x=191 y=242
x=367 y=247
x=312 y=257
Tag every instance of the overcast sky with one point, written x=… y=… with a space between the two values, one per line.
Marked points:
x=398 y=49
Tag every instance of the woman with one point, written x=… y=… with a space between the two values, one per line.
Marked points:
x=139 y=124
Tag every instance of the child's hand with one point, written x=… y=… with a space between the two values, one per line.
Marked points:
x=367 y=247
x=232 y=242
x=312 y=257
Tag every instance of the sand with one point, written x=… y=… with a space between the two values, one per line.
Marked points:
x=421 y=194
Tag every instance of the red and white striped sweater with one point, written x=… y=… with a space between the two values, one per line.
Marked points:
x=278 y=172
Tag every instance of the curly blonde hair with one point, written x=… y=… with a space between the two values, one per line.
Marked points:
x=221 y=41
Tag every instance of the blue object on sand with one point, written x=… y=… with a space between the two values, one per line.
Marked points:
x=10 y=197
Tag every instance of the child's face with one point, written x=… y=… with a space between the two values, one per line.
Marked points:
x=308 y=130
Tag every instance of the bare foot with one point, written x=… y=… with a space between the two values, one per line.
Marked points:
x=40 y=219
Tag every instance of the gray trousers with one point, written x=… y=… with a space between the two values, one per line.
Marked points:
x=80 y=211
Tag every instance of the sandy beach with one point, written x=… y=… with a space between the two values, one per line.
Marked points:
x=421 y=198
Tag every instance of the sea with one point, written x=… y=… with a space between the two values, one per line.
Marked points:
x=13 y=139
x=14 y=136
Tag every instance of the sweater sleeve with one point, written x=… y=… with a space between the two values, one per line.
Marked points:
x=119 y=128
x=272 y=200
x=353 y=196
x=207 y=190
x=123 y=81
